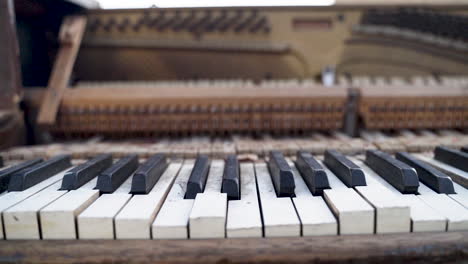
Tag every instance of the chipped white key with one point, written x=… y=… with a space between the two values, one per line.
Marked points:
x=12 y=198
x=58 y=219
x=134 y=221
x=423 y=217
x=208 y=216
x=172 y=220
x=314 y=214
x=279 y=216
x=244 y=219
x=97 y=221
x=21 y=220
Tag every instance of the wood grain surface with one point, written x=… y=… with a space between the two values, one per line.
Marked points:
x=451 y=247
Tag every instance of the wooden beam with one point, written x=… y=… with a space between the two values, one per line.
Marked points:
x=447 y=247
x=10 y=76
x=70 y=37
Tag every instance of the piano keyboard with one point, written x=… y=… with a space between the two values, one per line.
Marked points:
x=279 y=196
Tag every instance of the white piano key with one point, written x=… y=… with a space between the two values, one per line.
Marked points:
x=134 y=221
x=355 y=215
x=244 y=219
x=279 y=216
x=423 y=217
x=456 y=214
x=21 y=220
x=208 y=216
x=12 y=198
x=461 y=195
x=97 y=221
x=172 y=220
x=391 y=215
x=314 y=214
x=58 y=219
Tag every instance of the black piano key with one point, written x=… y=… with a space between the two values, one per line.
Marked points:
x=435 y=179
x=83 y=173
x=1 y=161
x=398 y=174
x=455 y=158
x=6 y=174
x=110 y=179
x=464 y=149
x=281 y=175
x=197 y=180
x=32 y=175
x=231 y=180
x=148 y=174
x=349 y=173
x=312 y=172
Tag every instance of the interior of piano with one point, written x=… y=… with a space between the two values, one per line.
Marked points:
x=299 y=122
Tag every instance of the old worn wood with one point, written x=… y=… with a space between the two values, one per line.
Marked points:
x=9 y=52
x=448 y=247
x=70 y=36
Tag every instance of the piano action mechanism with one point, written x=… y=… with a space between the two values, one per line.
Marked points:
x=246 y=135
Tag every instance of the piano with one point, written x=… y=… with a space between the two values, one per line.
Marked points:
x=242 y=135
